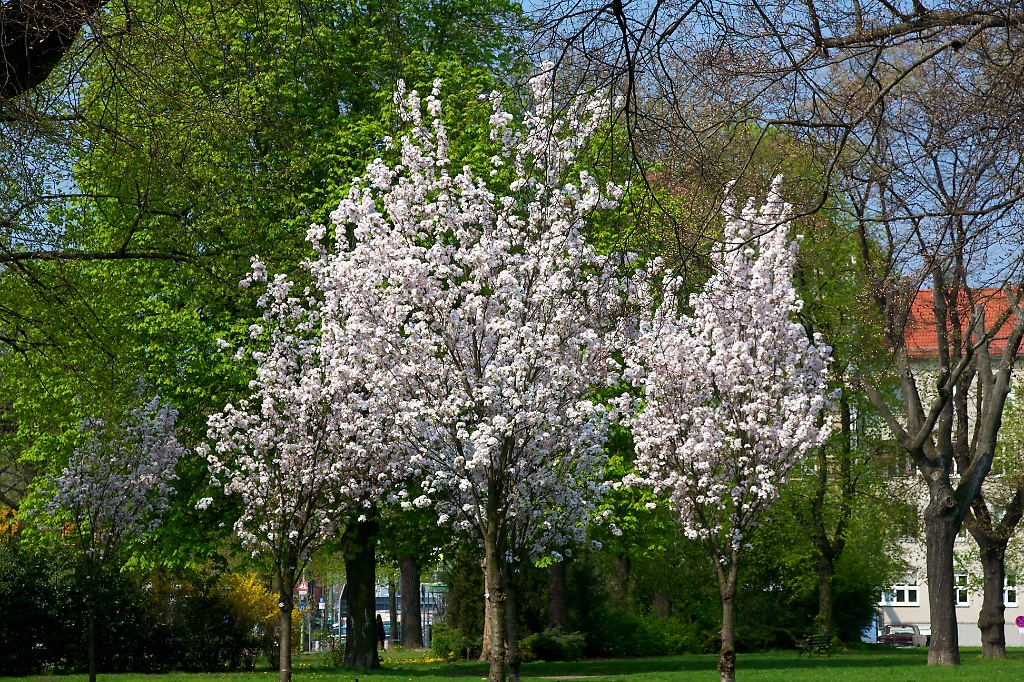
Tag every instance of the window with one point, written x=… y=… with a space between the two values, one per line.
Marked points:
x=903 y=594
x=1010 y=590
x=960 y=589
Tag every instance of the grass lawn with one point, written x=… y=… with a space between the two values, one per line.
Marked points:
x=882 y=665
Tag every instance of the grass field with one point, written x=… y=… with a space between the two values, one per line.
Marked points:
x=854 y=666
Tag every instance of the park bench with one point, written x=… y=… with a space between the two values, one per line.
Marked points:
x=814 y=643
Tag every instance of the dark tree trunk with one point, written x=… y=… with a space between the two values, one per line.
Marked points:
x=360 y=571
x=493 y=561
x=991 y=620
x=485 y=649
x=826 y=574
x=392 y=611
x=412 y=620
x=941 y=527
x=830 y=548
x=659 y=604
x=34 y=37
x=285 y=607
x=622 y=579
x=90 y=608
x=511 y=625
x=284 y=581
x=556 y=594
x=992 y=538
x=727 y=589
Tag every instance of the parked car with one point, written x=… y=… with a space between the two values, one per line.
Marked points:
x=903 y=635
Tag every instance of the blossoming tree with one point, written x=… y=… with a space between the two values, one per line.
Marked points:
x=732 y=396
x=300 y=452
x=482 y=312
x=114 y=490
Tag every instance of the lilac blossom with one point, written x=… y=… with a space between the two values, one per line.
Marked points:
x=118 y=481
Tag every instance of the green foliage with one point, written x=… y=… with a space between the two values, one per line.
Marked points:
x=448 y=643
x=621 y=633
x=148 y=622
x=554 y=644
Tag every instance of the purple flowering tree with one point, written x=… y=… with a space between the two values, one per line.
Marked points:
x=731 y=396
x=114 y=489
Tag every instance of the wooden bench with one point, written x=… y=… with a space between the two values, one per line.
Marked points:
x=814 y=643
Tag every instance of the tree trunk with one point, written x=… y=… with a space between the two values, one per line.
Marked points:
x=360 y=570
x=495 y=599
x=511 y=625
x=556 y=594
x=485 y=650
x=826 y=575
x=284 y=582
x=622 y=579
x=90 y=608
x=941 y=526
x=727 y=589
x=392 y=611
x=412 y=619
x=991 y=620
x=659 y=605
x=285 y=607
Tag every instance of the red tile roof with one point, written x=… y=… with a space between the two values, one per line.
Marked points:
x=920 y=330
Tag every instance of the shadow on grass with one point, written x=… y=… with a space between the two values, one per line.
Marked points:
x=784 y=660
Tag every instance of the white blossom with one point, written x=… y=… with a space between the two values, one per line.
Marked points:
x=479 y=314
x=731 y=395
x=301 y=450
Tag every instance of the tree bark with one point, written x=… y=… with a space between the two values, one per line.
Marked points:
x=90 y=608
x=941 y=527
x=991 y=620
x=360 y=571
x=392 y=610
x=412 y=619
x=485 y=650
x=285 y=583
x=727 y=589
x=826 y=574
x=34 y=36
x=830 y=549
x=495 y=597
x=285 y=607
x=992 y=539
x=622 y=579
x=511 y=625
x=556 y=594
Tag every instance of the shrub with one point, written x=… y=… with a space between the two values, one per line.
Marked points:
x=621 y=632
x=446 y=642
x=554 y=644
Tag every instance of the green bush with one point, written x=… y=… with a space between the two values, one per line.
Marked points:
x=554 y=644
x=621 y=632
x=448 y=643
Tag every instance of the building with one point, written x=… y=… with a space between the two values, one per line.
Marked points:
x=907 y=602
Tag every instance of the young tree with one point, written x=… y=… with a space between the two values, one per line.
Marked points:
x=113 y=490
x=482 y=314
x=301 y=452
x=731 y=395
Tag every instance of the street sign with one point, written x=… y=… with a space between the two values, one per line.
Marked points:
x=1019 y=621
x=303 y=588
x=323 y=604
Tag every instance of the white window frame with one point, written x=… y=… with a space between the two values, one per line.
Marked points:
x=902 y=594
x=1010 y=590
x=961 y=590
